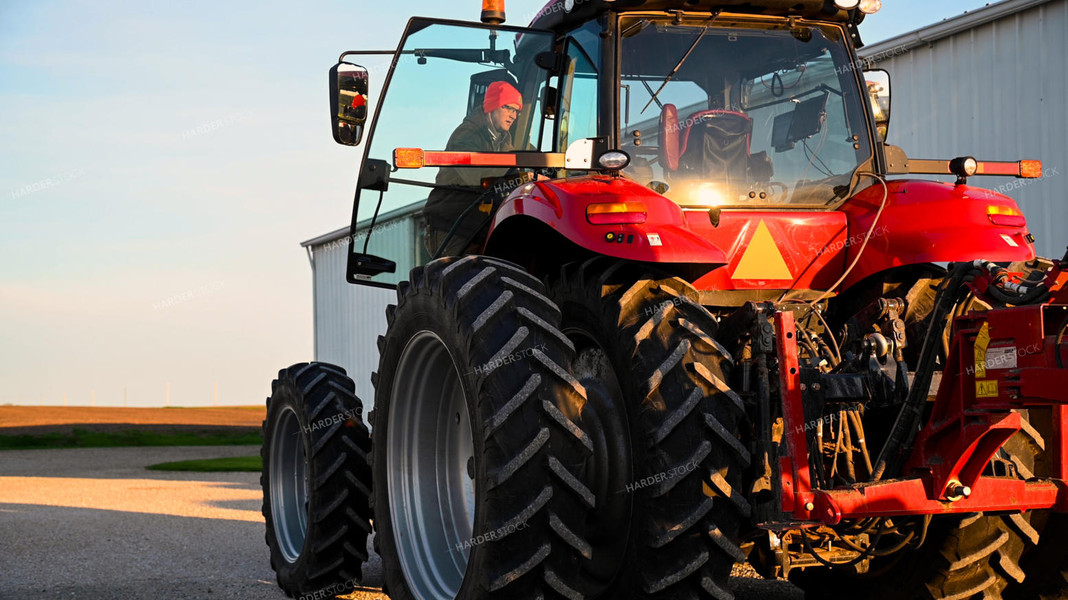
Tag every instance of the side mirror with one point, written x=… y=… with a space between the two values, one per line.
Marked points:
x=878 y=84
x=348 y=102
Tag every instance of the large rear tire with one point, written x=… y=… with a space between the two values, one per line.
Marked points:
x=316 y=480
x=669 y=464
x=1046 y=566
x=477 y=455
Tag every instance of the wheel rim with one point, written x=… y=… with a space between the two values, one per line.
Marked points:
x=429 y=460
x=289 y=485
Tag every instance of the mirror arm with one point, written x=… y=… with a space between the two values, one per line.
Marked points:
x=365 y=52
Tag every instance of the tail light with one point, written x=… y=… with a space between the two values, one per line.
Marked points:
x=1005 y=216
x=616 y=213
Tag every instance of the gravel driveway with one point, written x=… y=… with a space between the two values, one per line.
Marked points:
x=93 y=524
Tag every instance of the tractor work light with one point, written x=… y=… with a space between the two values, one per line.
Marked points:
x=614 y=160
x=846 y=4
x=616 y=213
x=870 y=7
x=1006 y=216
x=964 y=166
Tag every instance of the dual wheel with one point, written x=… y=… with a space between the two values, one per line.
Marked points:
x=529 y=442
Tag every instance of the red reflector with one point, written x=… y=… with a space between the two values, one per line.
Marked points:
x=998 y=168
x=408 y=158
x=460 y=159
x=1008 y=220
x=1030 y=169
x=616 y=213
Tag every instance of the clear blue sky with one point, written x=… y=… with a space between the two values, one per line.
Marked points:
x=160 y=164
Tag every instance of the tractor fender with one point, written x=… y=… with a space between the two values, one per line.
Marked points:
x=931 y=222
x=662 y=235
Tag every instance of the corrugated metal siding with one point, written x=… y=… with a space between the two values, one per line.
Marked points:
x=996 y=92
x=349 y=318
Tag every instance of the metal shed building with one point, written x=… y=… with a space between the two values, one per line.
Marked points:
x=991 y=84
x=349 y=318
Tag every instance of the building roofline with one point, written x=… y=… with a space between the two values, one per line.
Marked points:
x=948 y=27
x=338 y=234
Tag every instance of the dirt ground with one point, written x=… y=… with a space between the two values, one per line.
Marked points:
x=23 y=420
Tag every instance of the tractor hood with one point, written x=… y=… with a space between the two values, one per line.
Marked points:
x=613 y=216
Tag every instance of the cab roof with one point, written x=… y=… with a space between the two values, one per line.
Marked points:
x=554 y=16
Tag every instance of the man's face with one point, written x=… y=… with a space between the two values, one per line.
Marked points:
x=503 y=117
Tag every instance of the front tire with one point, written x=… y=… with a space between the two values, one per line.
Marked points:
x=316 y=480
x=476 y=450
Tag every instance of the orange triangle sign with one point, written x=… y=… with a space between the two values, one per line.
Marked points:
x=762 y=259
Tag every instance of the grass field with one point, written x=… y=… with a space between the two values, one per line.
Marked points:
x=81 y=438
x=213 y=465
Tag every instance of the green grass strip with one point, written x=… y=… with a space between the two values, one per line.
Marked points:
x=213 y=465
x=80 y=438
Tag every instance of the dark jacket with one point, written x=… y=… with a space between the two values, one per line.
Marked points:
x=443 y=206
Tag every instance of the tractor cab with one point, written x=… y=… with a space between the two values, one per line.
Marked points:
x=711 y=105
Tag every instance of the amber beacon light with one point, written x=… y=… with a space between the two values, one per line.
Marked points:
x=493 y=12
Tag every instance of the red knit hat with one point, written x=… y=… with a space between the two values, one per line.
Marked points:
x=499 y=94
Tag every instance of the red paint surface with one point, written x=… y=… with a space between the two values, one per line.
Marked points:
x=922 y=222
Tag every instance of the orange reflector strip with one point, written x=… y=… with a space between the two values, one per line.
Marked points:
x=616 y=213
x=998 y=168
x=408 y=158
x=474 y=159
x=1030 y=169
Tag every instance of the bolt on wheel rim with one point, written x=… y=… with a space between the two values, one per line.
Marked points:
x=289 y=485
x=430 y=464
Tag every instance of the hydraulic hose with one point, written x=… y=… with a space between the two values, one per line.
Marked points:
x=907 y=424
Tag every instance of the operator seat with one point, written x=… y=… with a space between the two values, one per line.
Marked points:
x=711 y=144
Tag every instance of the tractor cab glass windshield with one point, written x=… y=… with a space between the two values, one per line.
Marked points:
x=462 y=87
x=723 y=113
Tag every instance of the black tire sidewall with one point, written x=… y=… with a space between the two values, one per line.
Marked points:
x=423 y=313
x=304 y=576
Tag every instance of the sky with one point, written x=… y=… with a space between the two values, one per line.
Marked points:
x=160 y=164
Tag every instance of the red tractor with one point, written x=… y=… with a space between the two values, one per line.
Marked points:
x=707 y=323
